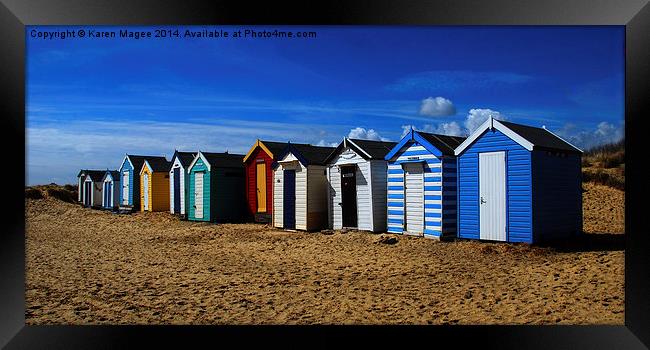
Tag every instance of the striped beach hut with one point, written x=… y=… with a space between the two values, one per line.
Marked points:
x=92 y=188
x=356 y=173
x=178 y=189
x=111 y=189
x=216 y=187
x=258 y=163
x=518 y=183
x=130 y=180
x=300 y=187
x=422 y=185
x=154 y=185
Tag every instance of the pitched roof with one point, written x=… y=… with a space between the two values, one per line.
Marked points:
x=313 y=155
x=529 y=137
x=138 y=161
x=114 y=174
x=224 y=160
x=367 y=149
x=376 y=149
x=184 y=157
x=95 y=175
x=275 y=147
x=158 y=164
x=540 y=137
x=445 y=143
x=272 y=147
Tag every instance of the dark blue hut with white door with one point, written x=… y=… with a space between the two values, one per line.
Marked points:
x=518 y=183
x=178 y=182
x=111 y=189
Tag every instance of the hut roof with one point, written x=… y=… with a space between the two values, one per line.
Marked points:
x=308 y=154
x=445 y=143
x=184 y=157
x=225 y=160
x=114 y=174
x=95 y=175
x=529 y=137
x=367 y=149
x=138 y=161
x=158 y=164
x=540 y=137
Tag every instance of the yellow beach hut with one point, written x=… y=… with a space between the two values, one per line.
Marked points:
x=154 y=185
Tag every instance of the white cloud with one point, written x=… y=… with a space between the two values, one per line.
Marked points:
x=363 y=134
x=437 y=107
x=603 y=133
x=406 y=129
x=451 y=129
x=477 y=116
x=327 y=144
x=474 y=119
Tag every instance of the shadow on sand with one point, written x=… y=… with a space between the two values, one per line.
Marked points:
x=589 y=242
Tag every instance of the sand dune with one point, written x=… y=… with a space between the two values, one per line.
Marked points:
x=93 y=267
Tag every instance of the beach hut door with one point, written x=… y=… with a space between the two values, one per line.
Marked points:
x=125 y=188
x=177 y=190
x=414 y=198
x=87 y=192
x=109 y=198
x=146 y=190
x=349 y=196
x=289 y=195
x=492 y=192
x=198 y=195
x=105 y=192
x=261 y=187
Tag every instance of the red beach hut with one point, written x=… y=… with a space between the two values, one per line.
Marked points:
x=258 y=164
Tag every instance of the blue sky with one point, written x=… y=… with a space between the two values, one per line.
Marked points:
x=90 y=101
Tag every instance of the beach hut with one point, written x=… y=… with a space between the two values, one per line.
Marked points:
x=111 y=189
x=300 y=187
x=518 y=183
x=92 y=188
x=178 y=188
x=81 y=176
x=130 y=180
x=356 y=173
x=154 y=185
x=258 y=164
x=216 y=187
x=422 y=185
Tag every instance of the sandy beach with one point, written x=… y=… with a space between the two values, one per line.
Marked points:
x=88 y=266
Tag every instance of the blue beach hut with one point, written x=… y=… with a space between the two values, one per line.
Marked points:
x=111 y=189
x=422 y=185
x=518 y=183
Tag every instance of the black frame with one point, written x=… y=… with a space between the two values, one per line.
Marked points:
x=633 y=14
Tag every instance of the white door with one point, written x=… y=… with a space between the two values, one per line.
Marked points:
x=125 y=188
x=145 y=184
x=492 y=195
x=414 y=198
x=198 y=195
